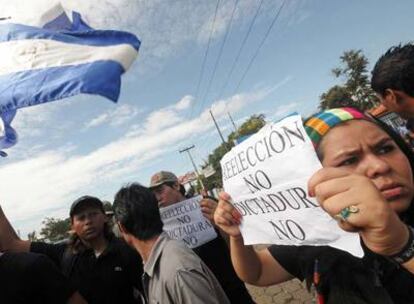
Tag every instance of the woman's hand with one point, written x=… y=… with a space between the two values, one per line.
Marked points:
x=378 y=225
x=227 y=217
x=208 y=207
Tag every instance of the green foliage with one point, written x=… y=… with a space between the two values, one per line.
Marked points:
x=356 y=90
x=55 y=229
x=32 y=237
x=253 y=124
x=250 y=126
x=107 y=206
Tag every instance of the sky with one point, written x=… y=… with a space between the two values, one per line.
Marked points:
x=191 y=60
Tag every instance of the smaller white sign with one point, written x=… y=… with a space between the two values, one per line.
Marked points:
x=184 y=222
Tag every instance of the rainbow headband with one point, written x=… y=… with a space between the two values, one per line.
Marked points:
x=319 y=124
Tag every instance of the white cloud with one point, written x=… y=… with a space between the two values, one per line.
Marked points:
x=184 y=103
x=31 y=121
x=165 y=117
x=285 y=109
x=117 y=116
x=51 y=179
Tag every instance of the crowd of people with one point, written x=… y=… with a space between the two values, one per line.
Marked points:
x=366 y=184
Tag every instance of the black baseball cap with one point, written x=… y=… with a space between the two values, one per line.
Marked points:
x=83 y=201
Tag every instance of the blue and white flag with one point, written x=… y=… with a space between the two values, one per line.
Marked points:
x=60 y=59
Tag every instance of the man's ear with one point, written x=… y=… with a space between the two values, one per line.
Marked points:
x=390 y=97
x=176 y=186
x=125 y=234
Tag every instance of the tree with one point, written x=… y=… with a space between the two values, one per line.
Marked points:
x=32 y=237
x=356 y=90
x=55 y=229
x=107 y=206
x=253 y=124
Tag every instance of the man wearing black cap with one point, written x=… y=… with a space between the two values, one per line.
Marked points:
x=215 y=253
x=103 y=268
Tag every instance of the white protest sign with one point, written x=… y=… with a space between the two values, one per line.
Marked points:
x=266 y=176
x=185 y=222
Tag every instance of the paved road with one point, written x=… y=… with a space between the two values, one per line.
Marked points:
x=292 y=292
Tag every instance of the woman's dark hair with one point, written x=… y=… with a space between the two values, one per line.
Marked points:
x=407 y=216
x=136 y=208
x=410 y=124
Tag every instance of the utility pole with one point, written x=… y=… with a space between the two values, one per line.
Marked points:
x=232 y=121
x=194 y=165
x=218 y=129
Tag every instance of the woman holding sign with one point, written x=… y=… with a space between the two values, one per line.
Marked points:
x=367 y=185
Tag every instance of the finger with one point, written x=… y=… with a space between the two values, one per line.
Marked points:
x=225 y=205
x=221 y=221
x=322 y=175
x=206 y=210
x=236 y=214
x=346 y=226
x=221 y=215
x=208 y=203
x=224 y=196
x=332 y=187
x=338 y=202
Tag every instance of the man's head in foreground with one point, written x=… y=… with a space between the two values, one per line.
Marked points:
x=393 y=79
x=88 y=218
x=166 y=188
x=136 y=211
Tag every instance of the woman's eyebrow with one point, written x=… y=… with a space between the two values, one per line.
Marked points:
x=346 y=151
x=382 y=141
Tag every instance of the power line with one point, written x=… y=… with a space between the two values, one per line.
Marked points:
x=240 y=51
x=194 y=165
x=219 y=55
x=204 y=60
x=260 y=45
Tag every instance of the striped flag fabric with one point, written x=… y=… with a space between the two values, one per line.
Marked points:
x=60 y=59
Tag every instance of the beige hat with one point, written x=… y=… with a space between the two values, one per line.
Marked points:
x=162 y=177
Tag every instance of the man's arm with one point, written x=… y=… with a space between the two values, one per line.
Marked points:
x=9 y=240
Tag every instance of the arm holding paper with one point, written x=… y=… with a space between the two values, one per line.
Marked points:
x=366 y=184
x=253 y=267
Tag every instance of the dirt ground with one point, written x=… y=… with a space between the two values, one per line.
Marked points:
x=292 y=292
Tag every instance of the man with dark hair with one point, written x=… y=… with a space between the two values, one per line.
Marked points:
x=172 y=272
x=215 y=253
x=103 y=268
x=393 y=79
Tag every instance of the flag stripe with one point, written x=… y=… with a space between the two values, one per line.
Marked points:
x=43 y=85
x=22 y=55
x=12 y=31
x=60 y=22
